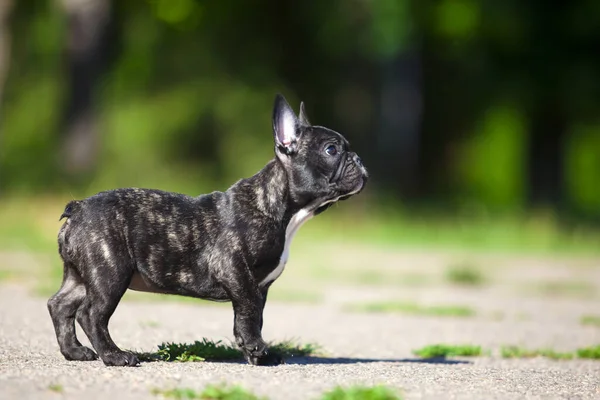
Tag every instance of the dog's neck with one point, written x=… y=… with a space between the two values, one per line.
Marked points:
x=269 y=192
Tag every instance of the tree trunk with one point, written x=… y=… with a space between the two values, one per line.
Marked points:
x=5 y=41
x=87 y=32
x=398 y=139
x=547 y=135
x=5 y=9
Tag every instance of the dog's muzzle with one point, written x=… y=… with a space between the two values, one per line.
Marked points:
x=358 y=161
x=339 y=172
x=343 y=164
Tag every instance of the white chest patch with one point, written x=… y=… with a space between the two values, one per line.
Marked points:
x=295 y=223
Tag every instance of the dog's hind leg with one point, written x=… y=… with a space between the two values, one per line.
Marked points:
x=63 y=307
x=103 y=295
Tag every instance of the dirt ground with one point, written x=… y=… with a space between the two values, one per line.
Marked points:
x=534 y=302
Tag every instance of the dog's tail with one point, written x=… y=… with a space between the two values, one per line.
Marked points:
x=64 y=249
x=70 y=208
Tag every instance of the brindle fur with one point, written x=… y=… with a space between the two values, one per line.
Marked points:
x=220 y=246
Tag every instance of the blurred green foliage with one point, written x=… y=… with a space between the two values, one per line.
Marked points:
x=183 y=101
x=493 y=166
x=583 y=166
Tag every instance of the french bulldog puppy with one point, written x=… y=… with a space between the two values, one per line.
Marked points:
x=222 y=246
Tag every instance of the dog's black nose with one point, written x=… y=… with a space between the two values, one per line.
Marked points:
x=358 y=160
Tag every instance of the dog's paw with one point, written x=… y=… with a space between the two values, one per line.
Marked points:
x=270 y=359
x=80 y=353
x=120 y=359
x=266 y=359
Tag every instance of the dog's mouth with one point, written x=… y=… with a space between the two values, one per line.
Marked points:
x=323 y=208
x=359 y=187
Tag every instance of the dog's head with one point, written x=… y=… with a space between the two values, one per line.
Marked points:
x=321 y=168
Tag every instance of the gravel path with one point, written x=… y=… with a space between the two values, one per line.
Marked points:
x=362 y=348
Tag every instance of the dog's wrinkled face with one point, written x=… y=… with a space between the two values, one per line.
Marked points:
x=320 y=166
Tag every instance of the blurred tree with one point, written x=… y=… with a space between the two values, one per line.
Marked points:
x=546 y=63
x=5 y=41
x=450 y=101
x=395 y=49
x=87 y=41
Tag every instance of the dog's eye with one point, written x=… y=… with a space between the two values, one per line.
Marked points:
x=331 y=150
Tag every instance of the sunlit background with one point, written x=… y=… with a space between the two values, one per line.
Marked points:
x=479 y=120
x=478 y=233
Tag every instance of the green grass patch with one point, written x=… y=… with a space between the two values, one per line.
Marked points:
x=211 y=392
x=208 y=350
x=465 y=275
x=235 y=392
x=445 y=350
x=30 y=223
x=590 y=320
x=592 y=352
x=566 y=288
x=6 y=275
x=361 y=393
x=520 y=352
x=205 y=350
x=56 y=388
x=292 y=349
x=413 y=309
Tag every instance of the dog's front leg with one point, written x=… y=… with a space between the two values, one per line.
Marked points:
x=248 y=302
x=263 y=293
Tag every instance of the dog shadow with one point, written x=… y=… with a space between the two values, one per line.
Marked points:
x=307 y=360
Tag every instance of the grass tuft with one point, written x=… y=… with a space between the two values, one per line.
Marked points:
x=361 y=393
x=224 y=392
x=211 y=392
x=208 y=350
x=289 y=348
x=414 y=309
x=198 y=351
x=190 y=352
x=55 y=387
x=519 y=352
x=566 y=288
x=444 y=350
x=465 y=275
x=592 y=352
x=590 y=320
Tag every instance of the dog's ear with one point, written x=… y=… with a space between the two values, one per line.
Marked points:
x=302 y=116
x=285 y=127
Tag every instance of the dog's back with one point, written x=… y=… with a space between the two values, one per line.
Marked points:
x=125 y=223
